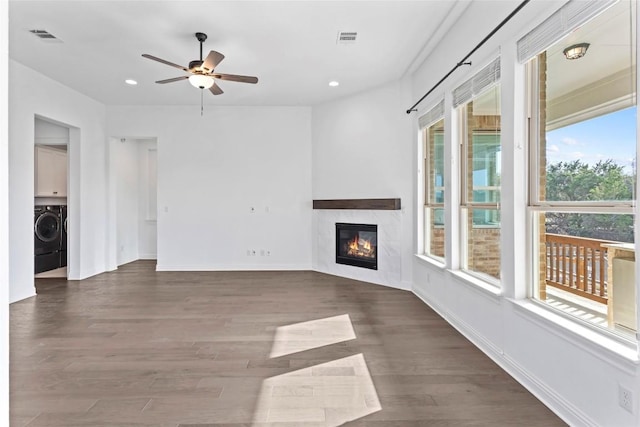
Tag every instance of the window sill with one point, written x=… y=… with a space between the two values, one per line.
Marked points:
x=433 y=262
x=480 y=285
x=611 y=349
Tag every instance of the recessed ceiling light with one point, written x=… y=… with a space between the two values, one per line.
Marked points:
x=131 y=82
x=334 y=83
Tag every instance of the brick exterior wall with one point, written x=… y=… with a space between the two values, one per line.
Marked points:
x=437 y=241
x=542 y=150
x=484 y=251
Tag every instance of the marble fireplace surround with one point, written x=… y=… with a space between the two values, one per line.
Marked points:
x=385 y=213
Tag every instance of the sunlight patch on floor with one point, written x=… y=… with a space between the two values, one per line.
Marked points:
x=305 y=336
x=329 y=394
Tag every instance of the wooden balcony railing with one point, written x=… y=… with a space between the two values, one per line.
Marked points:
x=577 y=265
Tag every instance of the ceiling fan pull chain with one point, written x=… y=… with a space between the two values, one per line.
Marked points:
x=201 y=102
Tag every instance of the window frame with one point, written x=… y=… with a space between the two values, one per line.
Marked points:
x=428 y=206
x=536 y=206
x=466 y=206
x=583 y=206
x=534 y=202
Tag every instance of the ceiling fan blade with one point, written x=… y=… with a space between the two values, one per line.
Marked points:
x=236 y=78
x=175 y=79
x=215 y=89
x=154 y=58
x=212 y=60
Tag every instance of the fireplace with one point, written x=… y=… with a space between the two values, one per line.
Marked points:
x=357 y=245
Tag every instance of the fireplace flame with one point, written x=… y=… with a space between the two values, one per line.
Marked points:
x=361 y=248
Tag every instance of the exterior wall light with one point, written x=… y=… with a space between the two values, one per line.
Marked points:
x=576 y=51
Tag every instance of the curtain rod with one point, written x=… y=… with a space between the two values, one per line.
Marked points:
x=462 y=61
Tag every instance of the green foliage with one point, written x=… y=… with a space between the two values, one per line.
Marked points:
x=578 y=182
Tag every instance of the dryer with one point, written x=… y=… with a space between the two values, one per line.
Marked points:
x=47 y=232
x=63 y=236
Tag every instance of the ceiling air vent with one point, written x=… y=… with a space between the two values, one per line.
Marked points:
x=347 y=37
x=45 y=35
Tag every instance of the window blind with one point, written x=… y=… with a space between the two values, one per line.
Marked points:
x=432 y=116
x=477 y=84
x=562 y=22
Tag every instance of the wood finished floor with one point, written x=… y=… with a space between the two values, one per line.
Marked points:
x=139 y=348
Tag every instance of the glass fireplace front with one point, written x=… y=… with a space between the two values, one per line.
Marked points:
x=357 y=245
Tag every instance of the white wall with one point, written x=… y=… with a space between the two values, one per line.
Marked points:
x=575 y=372
x=362 y=148
x=213 y=169
x=127 y=199
x=4 y=216
x=147 y=203
x=31 y=94
x=47 y=133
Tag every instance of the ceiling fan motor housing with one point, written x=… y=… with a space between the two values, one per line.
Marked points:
x=195 y=65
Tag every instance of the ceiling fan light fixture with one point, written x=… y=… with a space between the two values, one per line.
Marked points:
x=201 y=81
x=576 y=51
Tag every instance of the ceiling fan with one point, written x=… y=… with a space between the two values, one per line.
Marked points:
x=201 y=72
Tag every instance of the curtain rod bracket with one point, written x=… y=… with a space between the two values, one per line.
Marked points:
x=462 y=62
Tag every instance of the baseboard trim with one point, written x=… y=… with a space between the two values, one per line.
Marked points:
x=406 y=286
x=22 y=296
x=236 y=267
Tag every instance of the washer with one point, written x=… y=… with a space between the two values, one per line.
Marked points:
x=47 y=232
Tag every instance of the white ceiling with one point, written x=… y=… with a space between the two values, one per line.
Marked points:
x=289 y=45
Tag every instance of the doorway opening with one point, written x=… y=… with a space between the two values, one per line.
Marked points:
x=51 y=183
x=134 y=180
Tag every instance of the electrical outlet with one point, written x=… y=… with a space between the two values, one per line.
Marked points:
x=625 y=398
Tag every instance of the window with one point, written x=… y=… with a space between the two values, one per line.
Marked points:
x=583 y=172
x=485 y=180
x=480 y=179
x=434 y=218
x=432 y=136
